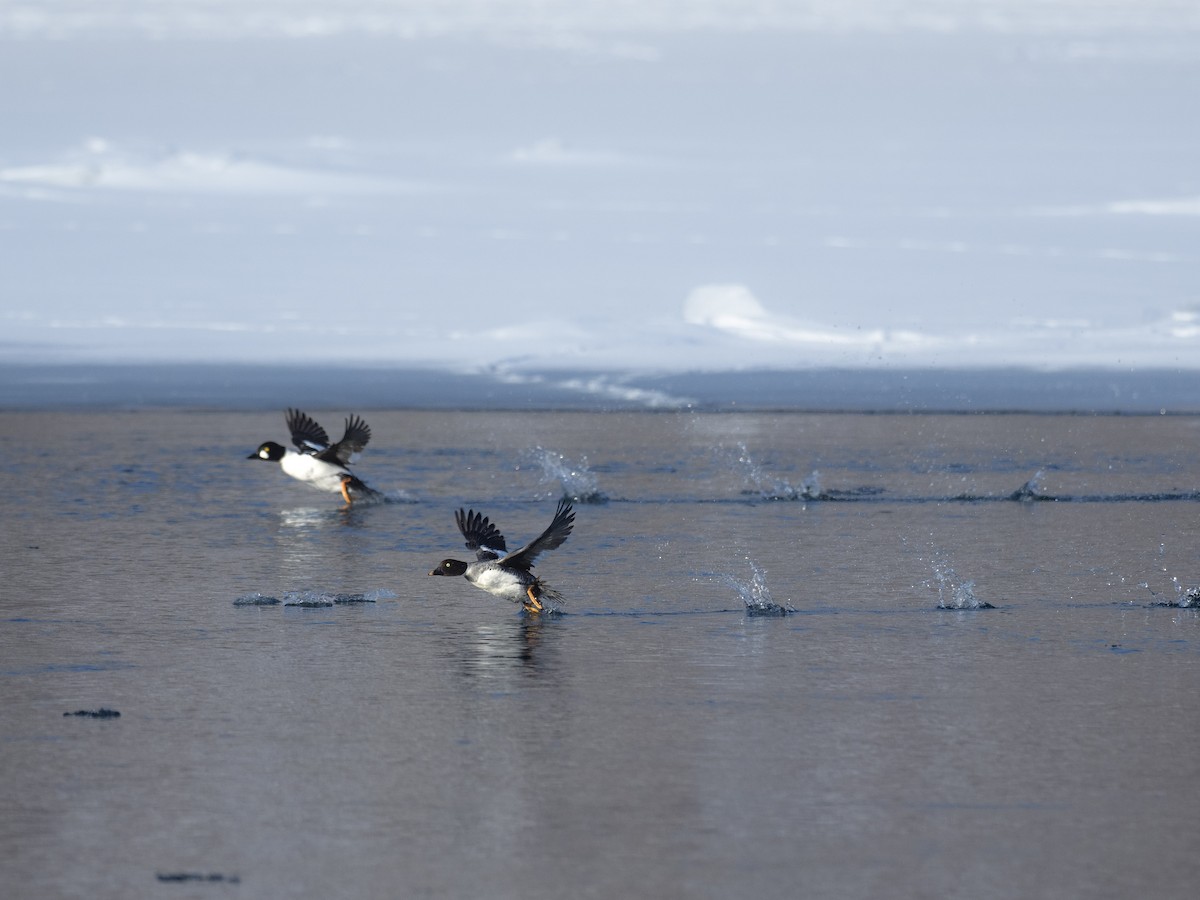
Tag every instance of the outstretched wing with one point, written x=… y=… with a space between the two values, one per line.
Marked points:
x=481 y=535
x=559 y=531
x=307 y=435
x=347 y=449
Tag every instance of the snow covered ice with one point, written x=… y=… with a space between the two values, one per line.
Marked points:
x=594 y=185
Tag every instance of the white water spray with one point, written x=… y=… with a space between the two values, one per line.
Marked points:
x=577 y=481
x=772 y=487
x=755 y=593
x=954 y=592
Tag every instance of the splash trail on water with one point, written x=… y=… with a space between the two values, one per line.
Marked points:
x=310 y=598
x=769 y=486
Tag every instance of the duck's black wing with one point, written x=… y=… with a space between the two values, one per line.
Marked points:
x=553 y=536
x=481 y=535
x=307 y=435
x=347 y=449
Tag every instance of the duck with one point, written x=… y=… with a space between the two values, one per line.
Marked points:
x=505 y=574
x=318 y=462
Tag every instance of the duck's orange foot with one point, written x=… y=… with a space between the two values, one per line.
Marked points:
x=533 y=605
x=346 y=489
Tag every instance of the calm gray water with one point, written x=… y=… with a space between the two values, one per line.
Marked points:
x=653 y=741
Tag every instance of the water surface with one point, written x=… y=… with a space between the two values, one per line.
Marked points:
x=654 y=740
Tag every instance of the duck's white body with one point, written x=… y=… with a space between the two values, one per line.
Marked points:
x=324 y=476
x=508 y=583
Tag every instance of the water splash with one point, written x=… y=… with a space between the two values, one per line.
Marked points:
x=1030 y=490
x=770 y=486
x=755 y=593
x=810 y=487
x=1189 y=598
x=314 y=598
x=1185 y=597
x=578 y=482
x=397 y=496
x=954 y=592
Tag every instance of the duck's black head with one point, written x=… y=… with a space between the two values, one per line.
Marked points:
x=270 y=451
x=450 y=567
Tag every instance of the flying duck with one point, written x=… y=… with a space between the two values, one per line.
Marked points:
x=316 y=461
x=506 y=574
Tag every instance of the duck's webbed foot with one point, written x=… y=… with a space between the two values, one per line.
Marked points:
x=533 y=605
x=346 y=490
